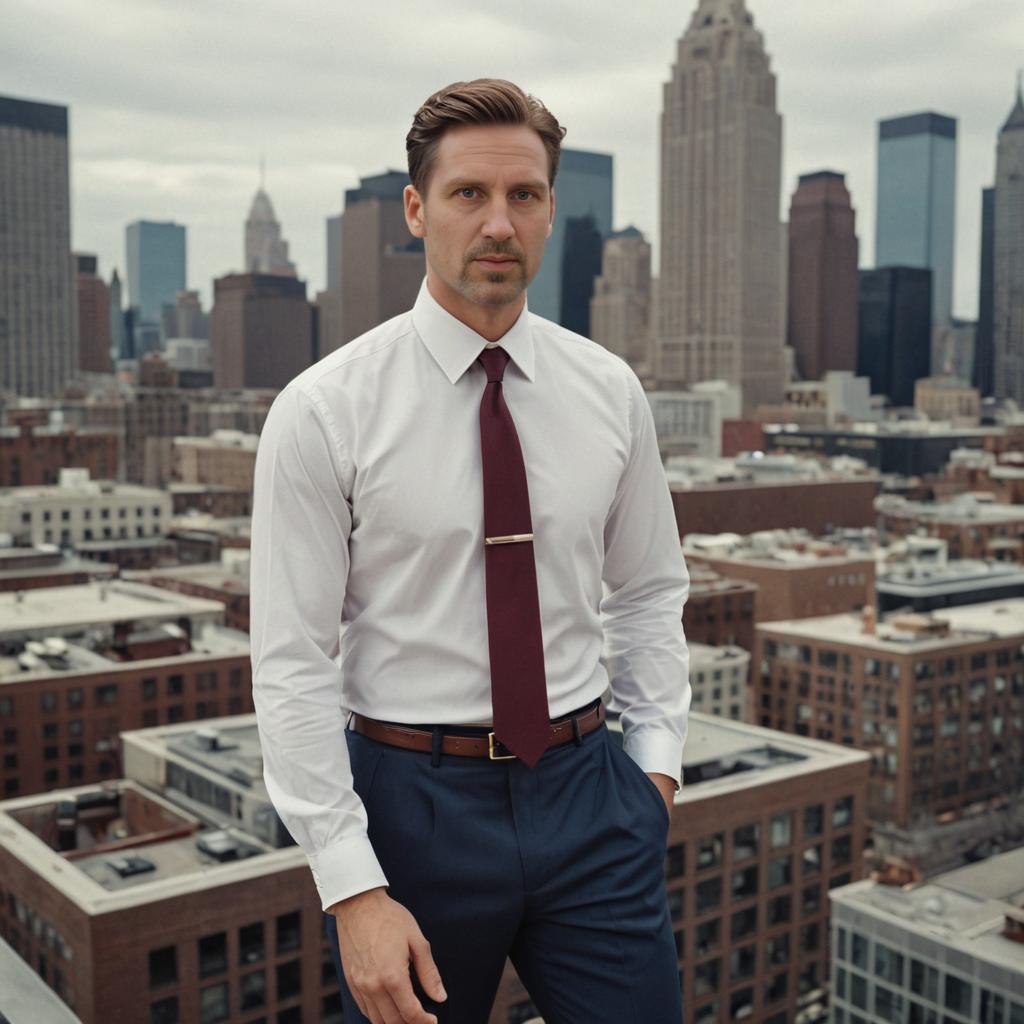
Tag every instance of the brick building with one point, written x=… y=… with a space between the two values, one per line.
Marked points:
x=226 y=458
x=171 y=895
x=937 y=700
x=33 y=454
x=972 y=527
x=719 y=608
x=749 y=506
x=80 y=664
x=26 y=568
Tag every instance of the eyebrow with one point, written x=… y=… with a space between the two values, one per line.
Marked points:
x=532 y=184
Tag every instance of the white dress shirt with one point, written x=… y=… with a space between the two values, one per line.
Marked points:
x=367 y=572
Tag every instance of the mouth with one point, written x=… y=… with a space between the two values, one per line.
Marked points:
x=495 y=262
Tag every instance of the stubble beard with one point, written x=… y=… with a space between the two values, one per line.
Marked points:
x=497 y=287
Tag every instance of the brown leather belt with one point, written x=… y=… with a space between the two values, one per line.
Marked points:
x=562 y=731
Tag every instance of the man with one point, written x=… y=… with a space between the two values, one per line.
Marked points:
x=475 y=495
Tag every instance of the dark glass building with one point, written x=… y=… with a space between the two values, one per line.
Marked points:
x=894 y=333
x=984 y=343
x=581 y=266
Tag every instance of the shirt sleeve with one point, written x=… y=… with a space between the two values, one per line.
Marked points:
x=301 y=521
x=646 y=585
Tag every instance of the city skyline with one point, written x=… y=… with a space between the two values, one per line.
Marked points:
x=148 y=138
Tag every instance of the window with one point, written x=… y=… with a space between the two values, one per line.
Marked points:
x=48 y=701
x=814 y=820
x=289 y=932
x=776 y=950
x=924 y=980
x=841 y=851
x=741 y=1003
x=842 y=813
x=809 y=937
x=149 y=688
x=811 y=860
x=744 y=883
x=780 y=871
x=744 y=923
x=289 y=979
x=888 y=1005
x=213 y=1004
x=250 y=943
x=175 y=685
x=779 y=910
x=213 y=954
x=706 y=977
x=775 y=988
x=709 y=894
x=253 y=990
x=164 y=1012
x=782 y=830
x=75 y=698
x=958 y=994
x=106 y=695
x=709 y=936
x=709 y=852
x=176 y=713
x=163 y=967
x=745 y=841
x=675 y=861
x=741 y=963
x=859 y=951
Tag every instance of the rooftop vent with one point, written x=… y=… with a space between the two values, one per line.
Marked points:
x=207 y=738
x=220 y=845
x=130 y=865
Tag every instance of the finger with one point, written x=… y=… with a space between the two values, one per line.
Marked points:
x=408 y=1006
x=426 y=969
x=391 y=1013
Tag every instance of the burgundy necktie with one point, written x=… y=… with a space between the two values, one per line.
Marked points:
x=519 y=693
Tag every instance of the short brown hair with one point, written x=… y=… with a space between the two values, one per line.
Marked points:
x=482 y=101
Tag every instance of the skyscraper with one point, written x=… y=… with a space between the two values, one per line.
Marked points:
x=822 y=276
x=261 y=330
x=720 y=293
x=984 y=344
x=266 y=252
x=38 y=338
x=119 y=342
x=156 y=266
x=894 y=330
x=583 y=187
x=93 y=316
x=1008 y=257
x=916 y=201
x=382 y=265
x=581 y=265
x=620 y=310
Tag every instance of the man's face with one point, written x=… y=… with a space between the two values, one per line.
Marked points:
x=486 y=214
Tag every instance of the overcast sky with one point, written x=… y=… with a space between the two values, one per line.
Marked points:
x=172 y=102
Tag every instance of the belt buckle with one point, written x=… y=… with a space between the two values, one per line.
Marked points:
x=491 y=741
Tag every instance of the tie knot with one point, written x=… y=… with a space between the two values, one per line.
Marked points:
x=494 y=361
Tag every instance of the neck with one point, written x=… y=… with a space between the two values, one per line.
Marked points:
x=490 y=322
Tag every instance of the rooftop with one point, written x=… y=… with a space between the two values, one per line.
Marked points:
x=963 y=909
x=777 y=549
x=958 y=576
x=963 y=509
x=968 y=624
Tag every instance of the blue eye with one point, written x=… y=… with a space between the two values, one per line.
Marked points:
x=468 y=188
x=523 y=193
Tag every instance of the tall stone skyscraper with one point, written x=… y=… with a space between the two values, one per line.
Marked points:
x=721 y=306
x=93 y=316
x=620 y=310
x=266 y=252
x=1008 y=262
x=822 y=276
x=38 y=333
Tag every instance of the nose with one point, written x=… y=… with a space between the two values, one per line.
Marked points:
x=498 y=224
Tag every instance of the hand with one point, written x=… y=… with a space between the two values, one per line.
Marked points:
x=666 y=786
x=377 y=938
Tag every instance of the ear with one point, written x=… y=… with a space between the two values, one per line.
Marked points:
x=551 y=214
x=414 y=211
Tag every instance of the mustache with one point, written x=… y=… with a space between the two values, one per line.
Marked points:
x=500 y=249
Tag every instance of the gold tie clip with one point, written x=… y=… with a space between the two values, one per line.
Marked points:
x=510 y=538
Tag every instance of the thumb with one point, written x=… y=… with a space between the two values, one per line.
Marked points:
x=426 y=969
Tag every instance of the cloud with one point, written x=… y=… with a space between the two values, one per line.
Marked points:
x=172 y=103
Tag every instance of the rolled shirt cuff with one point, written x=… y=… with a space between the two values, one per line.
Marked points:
x=345 y=869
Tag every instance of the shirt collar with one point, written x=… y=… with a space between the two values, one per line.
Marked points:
x=455 y=346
